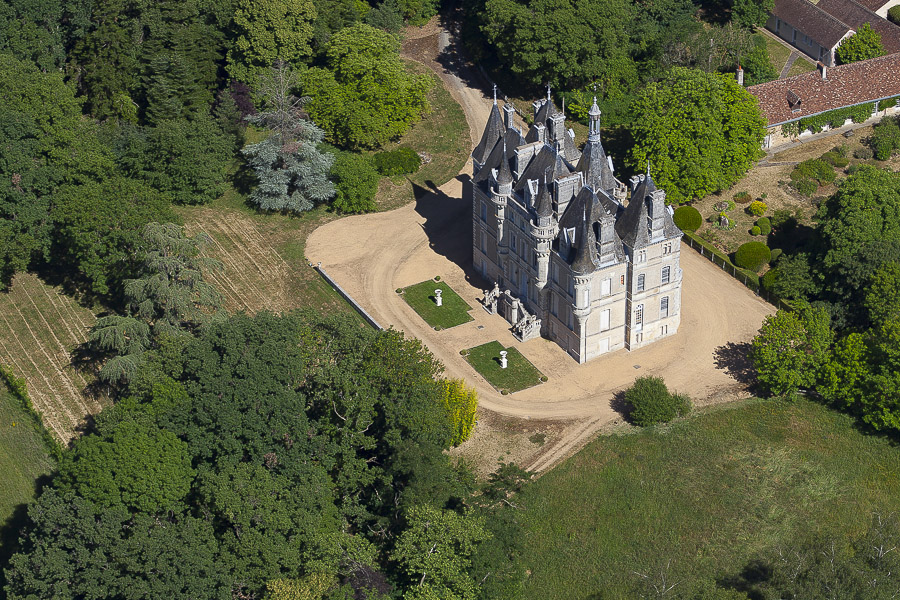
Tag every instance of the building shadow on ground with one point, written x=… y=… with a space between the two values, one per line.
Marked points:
x=448 y=225
x=734 y=358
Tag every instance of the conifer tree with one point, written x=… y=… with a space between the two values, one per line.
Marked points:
x=292 y=172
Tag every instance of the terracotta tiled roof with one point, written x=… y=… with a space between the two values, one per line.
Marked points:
x=845 y=85
x=812 y=21
x=855 y=14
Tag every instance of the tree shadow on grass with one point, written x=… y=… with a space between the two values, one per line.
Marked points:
x=734 y=358
x=11 y=529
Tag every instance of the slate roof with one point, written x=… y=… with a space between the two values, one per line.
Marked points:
x=586 y=260
x=632 y=225
x=543 y=204
x=846 y=85
x=493 y=131
x=546 y=158
x=854 y=14
x=595 y=167
x=814 y=22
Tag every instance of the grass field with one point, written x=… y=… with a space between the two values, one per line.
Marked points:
x=39 y=327
x=452 y=312
x=518 y=374
x=24 y=457
x=709 y=493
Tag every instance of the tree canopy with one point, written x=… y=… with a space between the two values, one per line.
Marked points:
x=696 y=132
x=365 y=97
x=862 y=45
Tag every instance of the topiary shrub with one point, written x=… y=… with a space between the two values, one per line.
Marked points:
x=743 y=197
x=757 y=208
x=765 y=226
x=652 y=403
x=755 y=230
x=688 y=218
x=397 y=162
x=752 y=256
x=776 y=252
x=865 y=153
x=894 y=15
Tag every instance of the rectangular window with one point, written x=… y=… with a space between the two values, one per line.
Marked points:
x=606 y=287
x=554 y=269
x=570 y=317
x=484 y=211
x=483 y=242
x=571 y=281
x=640 y=283
x=639 y=317
x=515 y=243
x=664 y=307
x=664 y=330
x=534 y=258
x=666 y=274
x=554 y=305
x=604 y=320
x=642 y=256
x=622 y=280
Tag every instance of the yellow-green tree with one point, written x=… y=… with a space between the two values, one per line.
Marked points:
x=461 y=403
x=311 y=587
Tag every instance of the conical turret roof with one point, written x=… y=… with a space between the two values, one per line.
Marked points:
x=586 y=255
x=543 y=206
x=493 y=131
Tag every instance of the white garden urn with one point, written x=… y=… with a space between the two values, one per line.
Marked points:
x=437 y=297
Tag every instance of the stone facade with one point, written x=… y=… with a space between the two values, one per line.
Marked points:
x=570 y=258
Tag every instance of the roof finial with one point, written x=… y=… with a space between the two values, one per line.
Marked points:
x=648 y=168
x=495 y=94
x=548 y=92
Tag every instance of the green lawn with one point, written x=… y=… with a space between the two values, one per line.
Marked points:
x=518 y=374
x=452 y=312
x=778 y=52
x=24 y=458
x=709 y=493
x=800 y=66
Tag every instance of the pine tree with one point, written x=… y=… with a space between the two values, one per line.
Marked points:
x=292 y=172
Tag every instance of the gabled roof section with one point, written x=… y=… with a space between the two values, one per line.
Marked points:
x=493 y=161
x=493 y=131
x=546 y=158
x=570 y=148
x=874 y=5
x=854 y=14
x=812 y=21
x=632 y=225
x=547 y=110
x=845 y=85
x=595 y=167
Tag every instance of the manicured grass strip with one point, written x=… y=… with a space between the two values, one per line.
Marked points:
x=706 y=495
x=453 y=312
x=518 y=374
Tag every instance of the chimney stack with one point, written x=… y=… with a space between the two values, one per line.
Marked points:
x=740 y=76
x=822 y=69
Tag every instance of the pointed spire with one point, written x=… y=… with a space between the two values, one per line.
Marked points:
x=548 y=93
x=504 y=177
x=495 y=94
x=543 y=206
x=594 y=122
x=586 y=255
x=493 y=131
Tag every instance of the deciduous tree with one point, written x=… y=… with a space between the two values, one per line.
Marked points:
x=365 y=97
x=696 y=132
x=862 y=45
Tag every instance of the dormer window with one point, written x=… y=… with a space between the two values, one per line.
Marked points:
x=794 y=101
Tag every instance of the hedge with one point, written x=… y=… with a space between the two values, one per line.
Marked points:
x=688 y=218
x=832 y=118
x=752 y=256
x=894 y=15
x=397 y=162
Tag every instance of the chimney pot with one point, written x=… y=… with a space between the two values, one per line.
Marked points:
x=740 y=76
x=822 y=69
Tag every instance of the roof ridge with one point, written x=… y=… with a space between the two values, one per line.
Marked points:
x=826 y=13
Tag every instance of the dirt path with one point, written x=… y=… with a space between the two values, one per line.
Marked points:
x=373 y=255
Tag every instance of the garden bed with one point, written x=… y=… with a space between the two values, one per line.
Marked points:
x=519 y=373
x=453 y=311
